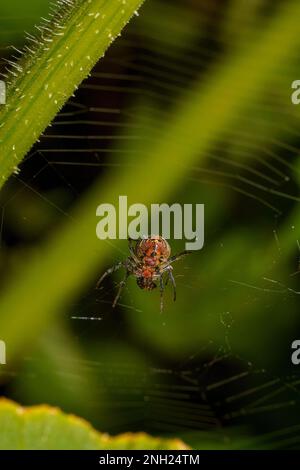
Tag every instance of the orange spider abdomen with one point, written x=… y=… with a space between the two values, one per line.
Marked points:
x=153 y=248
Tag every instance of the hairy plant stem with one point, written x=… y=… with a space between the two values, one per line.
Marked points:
x=51 y=68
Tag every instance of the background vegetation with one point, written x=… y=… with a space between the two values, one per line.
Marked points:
x=195 y=111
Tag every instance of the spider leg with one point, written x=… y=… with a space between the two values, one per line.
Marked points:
x=132 y=249
x=161 y=287
x=121 y=286
x=295 y=273
x=108 y=272
x=167 y=264
x=178 y=256
x=171 y=277
x=130 y=245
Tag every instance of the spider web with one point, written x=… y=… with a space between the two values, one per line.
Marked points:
x=220 y=391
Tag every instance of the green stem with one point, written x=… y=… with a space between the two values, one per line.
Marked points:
x=55 y=63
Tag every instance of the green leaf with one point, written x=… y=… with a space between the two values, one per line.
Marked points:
x=46 y=428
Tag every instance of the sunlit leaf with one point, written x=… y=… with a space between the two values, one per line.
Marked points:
x=42 y=427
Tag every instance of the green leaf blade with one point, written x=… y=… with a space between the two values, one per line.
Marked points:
x=60 y=59
x=46 y=428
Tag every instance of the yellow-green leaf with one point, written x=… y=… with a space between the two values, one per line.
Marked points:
x=43 y=427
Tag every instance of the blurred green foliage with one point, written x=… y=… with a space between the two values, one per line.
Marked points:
x=213 y=124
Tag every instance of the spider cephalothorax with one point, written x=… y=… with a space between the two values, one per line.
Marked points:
x=150 y=259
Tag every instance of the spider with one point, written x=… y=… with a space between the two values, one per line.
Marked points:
x=149 y=260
